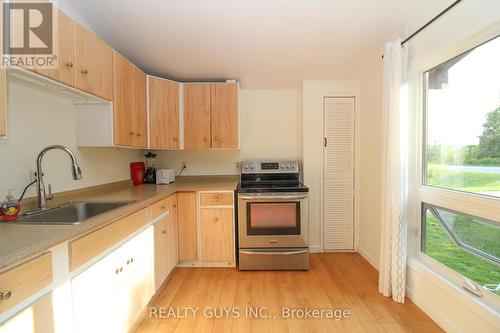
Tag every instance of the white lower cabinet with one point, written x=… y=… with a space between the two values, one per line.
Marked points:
x=110 y=295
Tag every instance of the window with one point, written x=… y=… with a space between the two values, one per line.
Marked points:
x=462 y=113
x=460 y=190
x=468 y=245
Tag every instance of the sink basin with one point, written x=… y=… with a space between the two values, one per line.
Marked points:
x=70 y=213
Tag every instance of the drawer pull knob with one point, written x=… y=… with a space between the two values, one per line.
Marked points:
x=69 y=65
x=163 y=207
x=164 y=232
x=84 y=72
x=5 y=294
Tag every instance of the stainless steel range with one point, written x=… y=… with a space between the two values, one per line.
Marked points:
x=272 y=216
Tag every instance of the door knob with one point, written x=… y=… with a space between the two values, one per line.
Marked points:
x=5 y=294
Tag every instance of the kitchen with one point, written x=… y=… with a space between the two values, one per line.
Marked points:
x=246 y=147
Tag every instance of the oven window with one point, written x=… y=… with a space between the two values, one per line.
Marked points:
x=273 y=218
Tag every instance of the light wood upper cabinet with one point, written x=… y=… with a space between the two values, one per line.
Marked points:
x=197 y=116
x=130 y=103
x=65 y=72
x=186 y=209
x=217 y=235
x=224 y=115
x=93 y=63
x=123 y=102
x=140 y=110
x=163 y=114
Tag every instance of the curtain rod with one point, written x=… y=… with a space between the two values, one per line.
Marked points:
x=429 y=23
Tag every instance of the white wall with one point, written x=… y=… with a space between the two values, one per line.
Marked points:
x=467 y=23
x=370 y=147
x=314 y=92
x=270 y=128
x=36 y=120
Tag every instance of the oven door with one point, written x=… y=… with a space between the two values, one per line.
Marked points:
x=267 y=220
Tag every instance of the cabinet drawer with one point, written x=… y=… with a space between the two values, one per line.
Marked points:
x=216 y=199
x=26 y=279
x=87 y=247
x=160 y=207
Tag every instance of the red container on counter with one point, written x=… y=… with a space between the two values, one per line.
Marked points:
x=137 y=172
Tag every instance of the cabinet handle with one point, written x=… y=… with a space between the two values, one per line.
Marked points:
x=216 y=219
x=205 y=138
x=174 y=138
x=84 y=72
x=216 y=138
x=163 y=207
x=69 y=65
x=138 y=134
x=131 y=260
x=216 y=199
x=117 y=271
x=5 y=294
x=174 y=206
x=164 y=232
x=131 y=133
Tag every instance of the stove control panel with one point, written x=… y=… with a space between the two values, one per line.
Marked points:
x=270 y=166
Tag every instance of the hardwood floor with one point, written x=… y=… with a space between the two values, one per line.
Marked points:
x=343 y=281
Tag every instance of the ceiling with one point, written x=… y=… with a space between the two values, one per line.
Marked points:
x=261 y=43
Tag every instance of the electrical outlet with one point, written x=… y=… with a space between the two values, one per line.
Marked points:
x=32 y=175
x=238 y=165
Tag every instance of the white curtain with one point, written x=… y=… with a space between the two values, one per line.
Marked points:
x=393 y=249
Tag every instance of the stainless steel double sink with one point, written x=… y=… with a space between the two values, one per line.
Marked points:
x=69 y=213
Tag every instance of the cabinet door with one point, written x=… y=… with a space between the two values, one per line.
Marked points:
x=65 y=72
x=174 y=225
x=162 y=234
x=197 y=116
x=186 y=205
x=140 y=108
x=94 y=292
x=164 y=114
x=94 y=64
x=37 y=318
x=224 y=115
x=217 y=235
x=138 y=277
x=123 y=118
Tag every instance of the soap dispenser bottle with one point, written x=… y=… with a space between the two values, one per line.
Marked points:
x=10 y=208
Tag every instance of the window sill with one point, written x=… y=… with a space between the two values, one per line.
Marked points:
x=487 y=307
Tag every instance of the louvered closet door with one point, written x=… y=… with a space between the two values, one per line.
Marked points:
x=338 y=177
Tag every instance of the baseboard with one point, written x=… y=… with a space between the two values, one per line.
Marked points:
x=368 y=257
x=435 y=315
x=315 y=249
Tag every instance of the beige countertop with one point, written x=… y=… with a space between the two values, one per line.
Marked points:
x=18 y=242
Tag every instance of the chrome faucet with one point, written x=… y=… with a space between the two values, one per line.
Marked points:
x=40 y=186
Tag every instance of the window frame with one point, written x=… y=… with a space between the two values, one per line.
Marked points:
x=467 y=203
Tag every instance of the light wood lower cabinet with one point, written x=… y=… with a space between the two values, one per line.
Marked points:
x=217 y=234
x=110 y=295
x=163 y=250
x=24 y=280
x=186 y=209
x=37 y=318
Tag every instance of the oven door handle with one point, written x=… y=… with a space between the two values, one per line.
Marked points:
x=271 y=197
x=270 y=253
